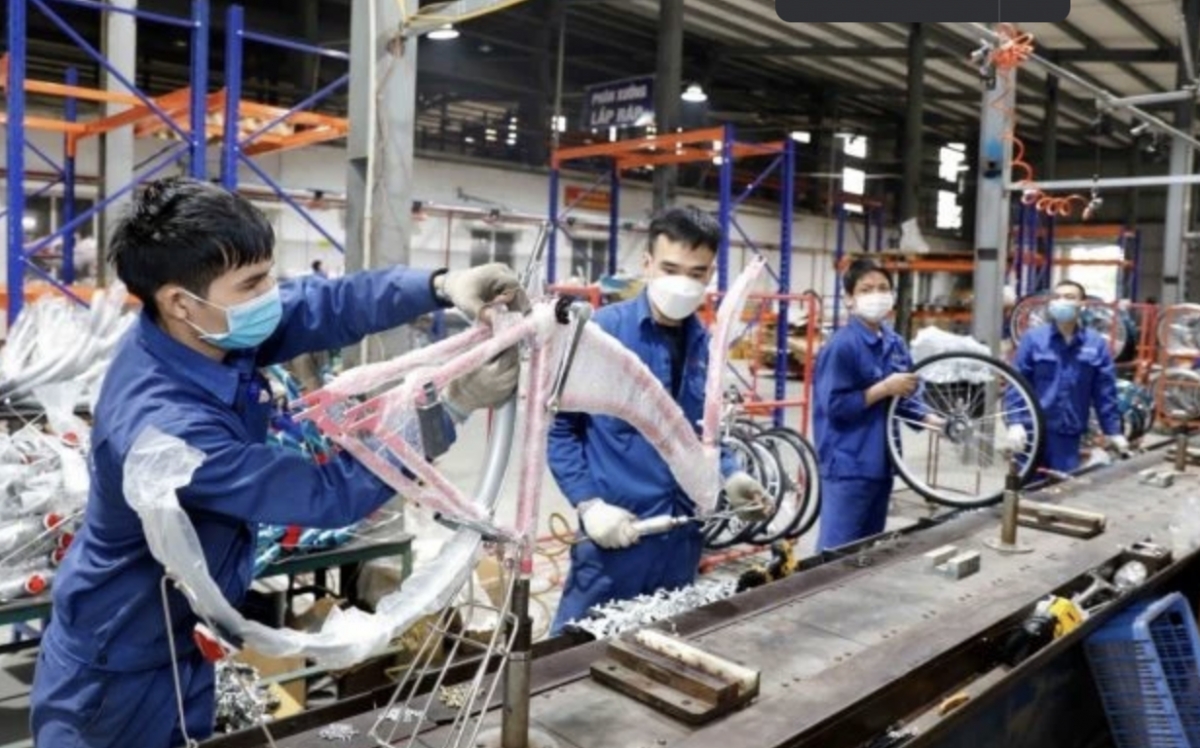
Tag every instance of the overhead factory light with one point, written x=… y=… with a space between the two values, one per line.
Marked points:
x=445 y=33
x=28 y=222
x=801 y=136
x=694 y=94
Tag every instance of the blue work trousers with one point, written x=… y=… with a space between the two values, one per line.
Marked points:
x=852 y=509
x=1059 y=452
x=78 y=706
x=657 y=562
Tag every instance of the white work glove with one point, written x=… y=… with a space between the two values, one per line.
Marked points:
x=486 y=387
x=1016 y=438
x=747 y=497
x=1119 y=443
x=474 y=288
x=609 y=527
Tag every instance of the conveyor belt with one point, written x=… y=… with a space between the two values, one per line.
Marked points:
x=837 y=644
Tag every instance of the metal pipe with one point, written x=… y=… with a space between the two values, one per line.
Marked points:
x=15 y=133
x=1104 y=95
x=143 y=15
x=230 y=146
x=914 y=111
x=291 y=202
x=1181 y=451
x=552 y=241
x=839 y=253
x=514 y=727
x=198 y=166
x=560 y=64
x=787 y=202
x=70 y=114
x=1164 y=97
x=1105 y=183
x=750 y=188
x=1009 y=511
x=614 y=218
x=725 y=207
x=296 y=46
x=68 y=103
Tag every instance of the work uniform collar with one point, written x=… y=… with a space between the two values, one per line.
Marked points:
x=693 y=329
x=866 y=334
x=1076 y=337
x=215 y=377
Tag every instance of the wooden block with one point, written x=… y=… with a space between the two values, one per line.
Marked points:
x=664 y=670
x=660 y=697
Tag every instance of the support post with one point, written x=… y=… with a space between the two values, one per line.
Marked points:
x=915 y=109
x=15 y=133
x=839 y=254
x=515 y=724
x=614 y=218
x=70 y=114
x=198 y=166
x=725 y=208
x=386 y=106
x=1049 y=164
x=552 y=239
x=667 y=89
x=992 y=209
x=787 y=202
x=119 y=46
x=1179 y=208
x=231 y=145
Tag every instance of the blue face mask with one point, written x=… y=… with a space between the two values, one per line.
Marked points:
x=1063 y=310
x=248 y=324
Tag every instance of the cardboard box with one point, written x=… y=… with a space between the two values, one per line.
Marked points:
x=296 y=691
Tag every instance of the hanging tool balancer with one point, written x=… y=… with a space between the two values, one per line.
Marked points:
x=783 y=562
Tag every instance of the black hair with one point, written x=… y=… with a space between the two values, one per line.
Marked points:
x=316 y=265
x=858 y=269
x=1077 y=284
x=187 y=232
x=688 y=225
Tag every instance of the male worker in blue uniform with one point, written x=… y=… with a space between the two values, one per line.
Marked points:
x=200 y=260
x=858 y=371
x=1071 y=371
x=607 y=469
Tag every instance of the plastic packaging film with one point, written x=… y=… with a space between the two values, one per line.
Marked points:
x=931 y=341
x=728 y=317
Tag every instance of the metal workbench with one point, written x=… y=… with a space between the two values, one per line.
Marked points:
x=845 y=649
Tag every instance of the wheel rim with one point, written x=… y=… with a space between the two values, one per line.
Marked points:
x=1179 y=330
x=966 y=464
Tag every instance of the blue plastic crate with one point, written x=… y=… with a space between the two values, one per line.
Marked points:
x=1145 y=662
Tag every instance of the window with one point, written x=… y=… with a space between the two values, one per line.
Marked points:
x=1096 y=266
x=589 y=259
x=492 y=246
x=949 y=212
x=854 y=146
x=854 y=181
x=951 y=158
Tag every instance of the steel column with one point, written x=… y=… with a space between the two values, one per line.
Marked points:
x=725 y=207
x=913 y=145
x=15 y=132
x=552 y=239
x=70 y=114
x=668 y=87
x=119 y=46
x=1049 y=165
x=1179 y=209
x=614 y=217
x=230 y=145
x=839 y=253
x=787 y=202
x=992 y=210
x=198 y=166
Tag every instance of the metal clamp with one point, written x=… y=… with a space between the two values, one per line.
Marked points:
x=576 y=313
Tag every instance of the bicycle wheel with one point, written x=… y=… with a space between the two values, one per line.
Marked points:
x=964 y=464
x=804 y=474
x=794 y=488
x=763 y=466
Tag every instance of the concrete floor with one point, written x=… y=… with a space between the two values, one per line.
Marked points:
x=460 y=465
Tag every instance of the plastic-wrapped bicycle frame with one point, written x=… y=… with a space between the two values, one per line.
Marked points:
x=603 y=377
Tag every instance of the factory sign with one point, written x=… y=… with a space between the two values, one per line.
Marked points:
x=623 y=103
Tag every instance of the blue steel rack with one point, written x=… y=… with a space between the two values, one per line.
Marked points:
x=708 y=145
x=193 y=147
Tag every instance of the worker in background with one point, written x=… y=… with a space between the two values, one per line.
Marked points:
x=200 y=259
x=858 y=371
x=318 y=269
x=1071 y=371
x=607 y=470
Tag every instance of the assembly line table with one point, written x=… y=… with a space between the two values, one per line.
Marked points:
x=349 y=559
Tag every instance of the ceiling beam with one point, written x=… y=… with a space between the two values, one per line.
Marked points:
x=1130 y=16
x=1090 y=43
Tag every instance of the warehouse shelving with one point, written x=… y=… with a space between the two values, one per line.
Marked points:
x=719 y=146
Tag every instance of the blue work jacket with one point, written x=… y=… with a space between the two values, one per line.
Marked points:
x=851 y=438
x=107 y=609
x=1069 y=378
x=599 y=457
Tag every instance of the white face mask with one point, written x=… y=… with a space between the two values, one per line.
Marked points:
x=676 y=296
x=873 y=307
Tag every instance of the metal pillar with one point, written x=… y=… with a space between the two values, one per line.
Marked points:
x=552 y=238
x=614 y=218
x=70 y=114
x=119 y=45
x=910 y=187
x=992 y=210
x=787 y=202
x=198 y=166
x=1178 y=218
x=725 y=207
x=15 y=133
x=839 y=253
x=375 y=43
x=668 y=85
x=1049 y=165
x=231 y=144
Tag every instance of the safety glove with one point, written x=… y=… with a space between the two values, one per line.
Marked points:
x=473 y=289
x=747 y=497
x=609 y=527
